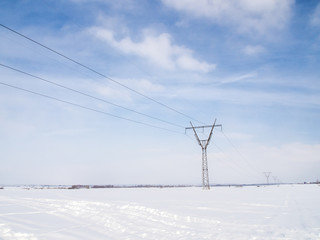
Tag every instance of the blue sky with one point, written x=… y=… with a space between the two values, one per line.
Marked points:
x=253 y=65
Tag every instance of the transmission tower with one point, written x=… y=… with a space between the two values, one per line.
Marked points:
x=267 y=175
x=204 y=144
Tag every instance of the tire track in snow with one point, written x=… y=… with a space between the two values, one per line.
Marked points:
x=128 y=220
x=114 y=215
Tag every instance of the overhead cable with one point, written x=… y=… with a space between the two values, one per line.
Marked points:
x=237 y=164
x=88 y=95
x=249 y=166
x=98 y=73
x=87 y=108
x=243 y=158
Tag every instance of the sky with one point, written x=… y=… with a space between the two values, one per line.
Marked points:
x=141 y=72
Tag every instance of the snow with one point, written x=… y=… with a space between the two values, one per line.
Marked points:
x=271 y=212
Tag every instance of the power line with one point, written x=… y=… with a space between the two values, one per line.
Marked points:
x=243 y=158
x=98 y=73
x=88 y=95
x=204 y=144
x=231 y=163
x=87 y=108
x=267 y=175
x=234 y=162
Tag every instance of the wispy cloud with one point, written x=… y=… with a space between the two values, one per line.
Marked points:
x=246 y=16
x=250 y=96
x=159 y=49
x=238 y=78
x=264 y=90
x=300 y=157
x=116 y=93
x=315 y=17
x=252 y=50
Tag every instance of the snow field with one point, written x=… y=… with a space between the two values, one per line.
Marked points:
x=284 y=212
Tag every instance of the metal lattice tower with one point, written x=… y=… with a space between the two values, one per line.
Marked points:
x=204 y=144
x=267 y=175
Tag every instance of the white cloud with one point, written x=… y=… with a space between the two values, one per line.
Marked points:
x=261 y=97
x=291 y=161
x=144 y=85
x=158 y=49
x=315 y=18
x=140 y=85
x=288 y=161
x=113 y=93
x=127 y=4
x=238 y=78
x=247 y=16
x=187 y=62
x=253 y=50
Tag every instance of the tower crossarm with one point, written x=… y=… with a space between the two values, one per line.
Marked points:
x=196 y=135
x=204 y=144
x=207 y=143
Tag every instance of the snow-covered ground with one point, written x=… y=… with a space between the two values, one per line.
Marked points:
x=284 y=212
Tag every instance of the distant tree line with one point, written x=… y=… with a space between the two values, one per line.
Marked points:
x=126 y=186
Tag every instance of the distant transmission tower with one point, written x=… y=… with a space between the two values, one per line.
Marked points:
x=267 y=175
x=204 y=144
